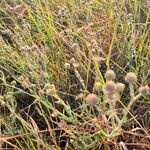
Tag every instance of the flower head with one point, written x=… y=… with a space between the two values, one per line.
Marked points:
x=144 y=90
x=120 y=87
x=97 y=86
x=67 y=66
x=131 y=77
x=91 y=99
x=110 y=75
x=74 y=46
x=110 y=86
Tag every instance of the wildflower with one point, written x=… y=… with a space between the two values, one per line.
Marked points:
x=21 y=78
x=131 y=77
x=74 y=46
x=97 y=86
x=73 y=63
x=144 y=90
x=120 y=87
x=54 y=113
x=110 y=86
x=93 y=51
x=67 y=66
x=24 y=82
x=71 y=140
x=50 y=89
x=110 y=75
x=91 y=99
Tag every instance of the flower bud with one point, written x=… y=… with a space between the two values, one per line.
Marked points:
x=120 y=87
x=91 y=99
x=131 y=77
x=97 y=86
x=110 y=86
x=110 y=75
x=144 y=90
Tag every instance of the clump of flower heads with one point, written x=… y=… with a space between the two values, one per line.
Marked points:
x=116 y=88
x=112 y=94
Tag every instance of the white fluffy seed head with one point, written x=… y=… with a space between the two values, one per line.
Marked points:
x=144 y=90
x=110 y=75
x=120 y=87
x=131 y=77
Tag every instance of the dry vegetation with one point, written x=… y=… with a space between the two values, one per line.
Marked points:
x=74 y=74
